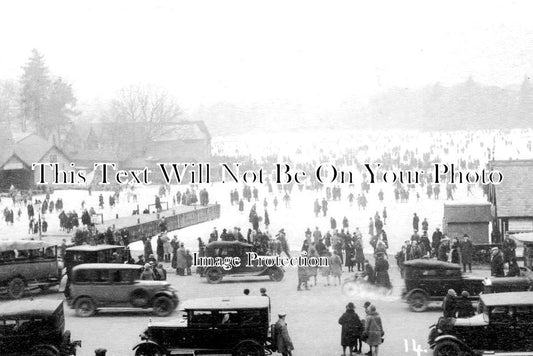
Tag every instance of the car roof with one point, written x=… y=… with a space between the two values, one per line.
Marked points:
x=106 y=266
x=431 y=264
x=93 y=248
x=244 y=302
x=219 y=244
x=24 y=245
x=509 y=298
x=35 y=307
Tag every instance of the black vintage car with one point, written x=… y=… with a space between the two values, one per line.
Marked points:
x=220 y=250
x=237 y=325
x=504 y=327
x=36 y=328
x=430 y=280
x=521 y=283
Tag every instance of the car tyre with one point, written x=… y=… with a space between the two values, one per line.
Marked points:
x=418 y=302
x=16 y=288
x=163 y=306
x=214 y=275
x=448 y=348
x=85 y=307
x=148 y=350
x=250 y=348
x=276 y=274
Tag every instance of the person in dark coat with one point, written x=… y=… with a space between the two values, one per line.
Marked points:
x=351 y=330
x=435 y=240
x=463 y=307
x=416 y=220
x=514 y=269
x=160 y=248
x=455 y=253
x=509 y=249
x=467 y=249
x=382 y=271
x=496 y=264
x=444 y=248
x=282 y=339
x=369 y=272
x=148 y=248
x=449 y=303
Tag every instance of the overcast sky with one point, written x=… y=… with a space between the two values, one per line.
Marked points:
x=250 y=51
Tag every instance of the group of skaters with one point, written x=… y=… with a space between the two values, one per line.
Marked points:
x=342 y=247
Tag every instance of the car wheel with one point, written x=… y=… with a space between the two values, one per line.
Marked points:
x=418 y=302
x=16 y=288
x=163 y=306
x=148 y=350
x=276 y=274
x=350 y=288
x=44 y=352
x=249 y=349
x=214 y=275
x=85 y=307
x=447 y=348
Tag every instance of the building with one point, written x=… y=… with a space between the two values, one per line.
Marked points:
x=470 y=219
x=513 y=197
x=19 y=151
x=185 y=141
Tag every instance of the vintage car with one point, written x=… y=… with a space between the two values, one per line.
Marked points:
x=27 y=264
x=229 y=249
x=109 y=285
x=521 y=283
x=429 y=280
x=235 y=325
x=504 y=327
x=36 y=328
x=77 y=255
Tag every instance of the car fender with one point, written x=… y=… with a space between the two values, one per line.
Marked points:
x=416 y=290
x=248 y=341
x=148 y=342
x=266 y=271
x=162 y=293
x=74 y=301
x=450 y=338
x=47 y=347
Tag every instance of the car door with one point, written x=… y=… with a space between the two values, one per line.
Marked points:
x=501 y=334
x=524 y=328
x=200 y=330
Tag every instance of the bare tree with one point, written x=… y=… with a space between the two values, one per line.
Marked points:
x=138 y=114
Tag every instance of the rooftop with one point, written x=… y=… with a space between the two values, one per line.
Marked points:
x=242 y=302
x=509 y=298
x=35 y=307
x=513 y=194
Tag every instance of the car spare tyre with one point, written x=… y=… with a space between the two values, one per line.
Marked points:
x=276 y=274
x=214 y=275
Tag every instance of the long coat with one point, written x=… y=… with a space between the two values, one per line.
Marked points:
x=181 y=261
x=466 y=251
x=351 y=328
x=373 y=328
x=283 y=340
x=496 y=266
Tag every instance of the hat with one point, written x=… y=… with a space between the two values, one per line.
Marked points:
x=465 y=294
x=147 y=265
x=282 y=315
x=350 y=306
x=494 y=249
x=367 y=304
x=140 y=256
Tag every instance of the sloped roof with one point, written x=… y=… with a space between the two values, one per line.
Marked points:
x=514 y=195
x=184 y=130
x=467 y=213
x=28 y=147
